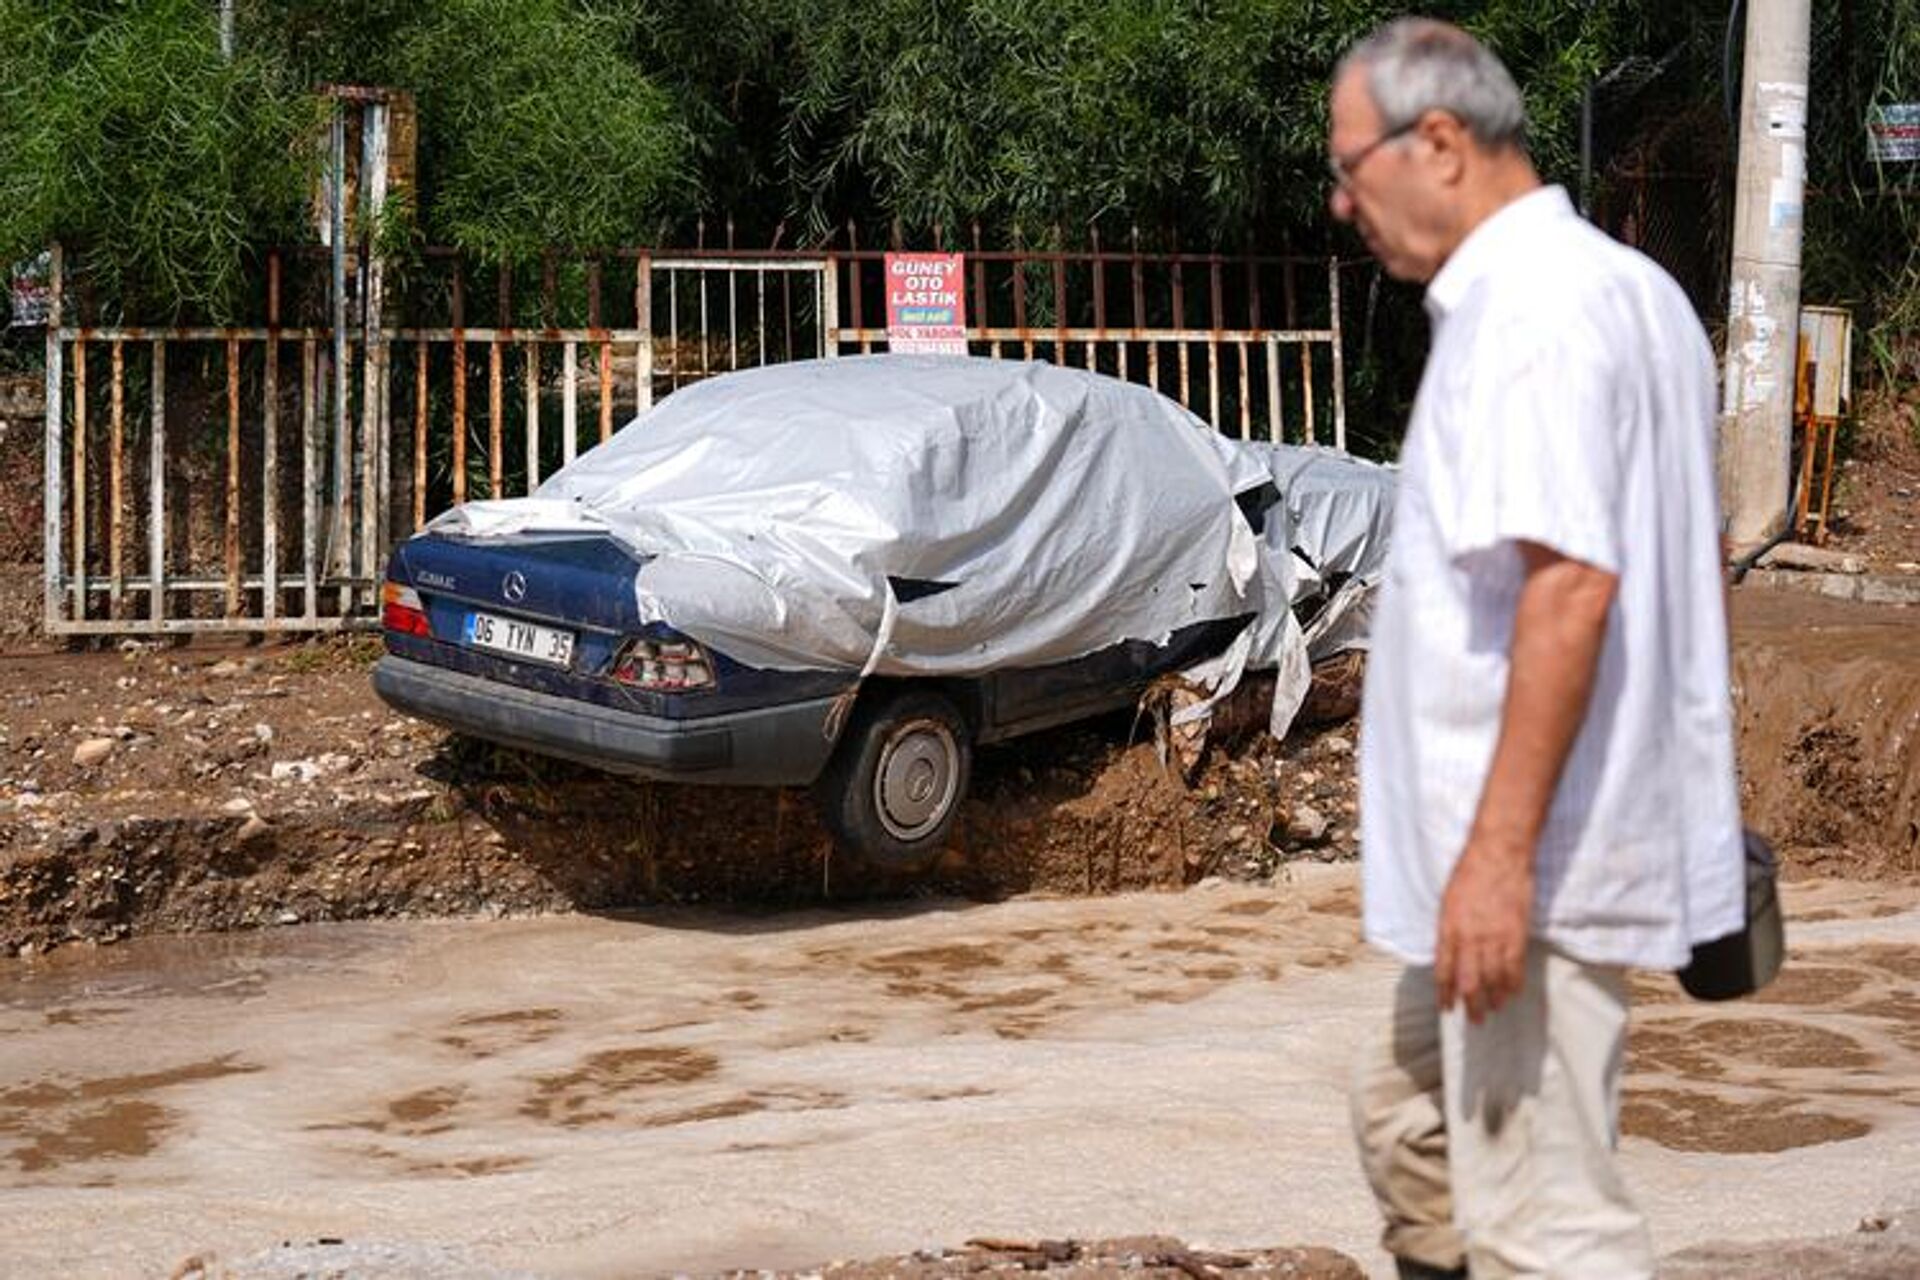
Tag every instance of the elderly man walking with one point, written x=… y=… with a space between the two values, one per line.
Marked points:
x=1547 y=781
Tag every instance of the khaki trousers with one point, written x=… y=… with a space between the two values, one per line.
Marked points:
x=1492 y=1145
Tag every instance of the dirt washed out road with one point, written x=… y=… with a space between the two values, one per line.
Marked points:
x=683 y=1091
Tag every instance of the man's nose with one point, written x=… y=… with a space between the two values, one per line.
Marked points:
x=1340 y=203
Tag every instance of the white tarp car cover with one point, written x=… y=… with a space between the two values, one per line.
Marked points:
x=1335 y=514
x=782 y=511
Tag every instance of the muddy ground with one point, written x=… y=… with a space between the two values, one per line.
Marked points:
x=691 y=1089
x=237 y=787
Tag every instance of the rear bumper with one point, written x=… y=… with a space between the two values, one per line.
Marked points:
x=785 y=745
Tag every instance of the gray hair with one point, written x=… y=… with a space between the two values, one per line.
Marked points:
x=1417 y=65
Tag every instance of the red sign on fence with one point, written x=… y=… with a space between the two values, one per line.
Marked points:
x=926 y=303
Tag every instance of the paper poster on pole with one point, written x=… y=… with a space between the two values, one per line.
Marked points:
x=1893 y=133
x=926 y=304
x=31 y=294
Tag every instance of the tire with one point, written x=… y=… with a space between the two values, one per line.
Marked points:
x=892 y=791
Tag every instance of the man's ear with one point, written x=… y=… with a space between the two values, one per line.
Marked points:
x=1448 y=140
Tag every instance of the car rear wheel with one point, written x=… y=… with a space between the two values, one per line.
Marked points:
x=893 y=788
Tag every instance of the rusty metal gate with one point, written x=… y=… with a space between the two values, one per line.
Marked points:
x=254 y=478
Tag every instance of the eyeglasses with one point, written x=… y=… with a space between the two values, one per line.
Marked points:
x=1344 y=167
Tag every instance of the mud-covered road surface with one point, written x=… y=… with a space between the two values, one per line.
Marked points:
x=688 y=1090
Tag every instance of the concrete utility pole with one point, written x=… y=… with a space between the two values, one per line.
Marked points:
x=226 y=29
x=1763 y=314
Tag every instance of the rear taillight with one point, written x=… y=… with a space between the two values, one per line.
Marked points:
x=401 y=610
x=664 y=665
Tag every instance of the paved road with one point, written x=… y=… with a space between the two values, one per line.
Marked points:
x=587 y=1096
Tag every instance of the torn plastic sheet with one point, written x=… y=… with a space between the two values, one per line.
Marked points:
x=773 y=509
x=1324 y=541
x=1332 y=523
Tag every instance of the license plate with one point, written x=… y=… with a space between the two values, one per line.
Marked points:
x=521 y=639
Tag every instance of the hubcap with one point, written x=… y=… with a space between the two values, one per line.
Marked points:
x=918 y=775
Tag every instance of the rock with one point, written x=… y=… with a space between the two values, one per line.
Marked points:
x=1306 y=825
x=1338 y=745
x=1236 y=833
x=1308 y=779
x=1792 y=555
x=237 y=806
x=224 y=668
x=254 y=828
x=294 y=771
x=287 y=917
x=92 y=752
x=263 y=732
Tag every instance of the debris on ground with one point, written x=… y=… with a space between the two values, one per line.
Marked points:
x=1142 y=1257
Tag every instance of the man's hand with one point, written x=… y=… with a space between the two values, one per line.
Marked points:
x=1559 y=625
x=1482 y=953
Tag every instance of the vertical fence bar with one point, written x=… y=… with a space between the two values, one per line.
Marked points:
x=373 y=408
x=569 y=405
x=1218 y=317
x=1020 y=307
x=270 y=451
x=1306 y=391
x=383 y=473
x=232 y=539
x=309 y=477
x=786 y=311
x=1306 y=348
x=116 y=482
x=79 y=478
x=496 y=426
x=705 y=362
x=1060 y=310
x=420 y=413
x=1140 y=313
x=673 y=329
x=157 y=486
x=1276 y=425
x=594 y=326
x=533 y=415
x=1100 y=306
x=733 y=319
x=1253 y=325
x=339 y=529
x=606 y=389
x=1246 y=391
x=459 y=375
x=760 y=316
x=1218 y=321
x=853 y=294
x=1339 y=357
x=643 y=323
x=1180 y=322
x=826 y=300
x=52 y=463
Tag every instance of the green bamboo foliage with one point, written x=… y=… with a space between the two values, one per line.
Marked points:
x=125 y=134
x=165 y=169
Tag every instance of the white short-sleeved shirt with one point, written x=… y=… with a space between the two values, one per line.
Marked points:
x=1569 y=400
